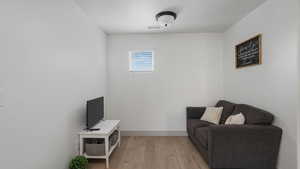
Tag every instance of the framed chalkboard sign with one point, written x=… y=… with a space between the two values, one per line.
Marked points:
x=249 y=52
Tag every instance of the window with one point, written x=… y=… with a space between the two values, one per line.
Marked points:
x=141 y=61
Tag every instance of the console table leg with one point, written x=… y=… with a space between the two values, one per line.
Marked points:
x=107 y=151
x=119 y=138
x=80 y=145
x=107 y=162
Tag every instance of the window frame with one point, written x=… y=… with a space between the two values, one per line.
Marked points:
x=137 y=51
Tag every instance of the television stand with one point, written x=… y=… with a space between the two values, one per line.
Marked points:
x=108 y=128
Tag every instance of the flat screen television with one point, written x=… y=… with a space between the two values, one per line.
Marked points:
x=94 y=112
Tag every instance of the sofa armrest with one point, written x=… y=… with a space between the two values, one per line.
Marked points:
x=194 y=112
x=243 y=146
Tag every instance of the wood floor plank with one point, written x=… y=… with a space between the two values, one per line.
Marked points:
x=139 y=152
x=190 y=157
x=150 y=157
x=167 y=154
x=117 y=156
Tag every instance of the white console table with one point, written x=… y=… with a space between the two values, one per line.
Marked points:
x=107 y=127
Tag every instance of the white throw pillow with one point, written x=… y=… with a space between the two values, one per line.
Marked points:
x=212 y=114
x=235 y=119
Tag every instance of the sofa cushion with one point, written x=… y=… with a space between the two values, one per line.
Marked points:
x=236 y=119
x=201 y=135
x=228 y=108
x=212 y=114
x=254 y=115
x=196 y=123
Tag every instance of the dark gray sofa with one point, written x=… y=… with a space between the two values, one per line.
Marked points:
x=254 y=145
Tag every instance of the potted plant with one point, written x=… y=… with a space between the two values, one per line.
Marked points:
x=78 y=162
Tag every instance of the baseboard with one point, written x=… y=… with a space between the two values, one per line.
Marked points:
x=153 y=133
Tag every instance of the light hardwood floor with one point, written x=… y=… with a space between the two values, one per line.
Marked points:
x=153 y=153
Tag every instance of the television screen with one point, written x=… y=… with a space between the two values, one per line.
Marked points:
x=95 y=112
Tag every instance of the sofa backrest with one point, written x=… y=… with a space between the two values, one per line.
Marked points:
x=228 y=108
x=254 y=115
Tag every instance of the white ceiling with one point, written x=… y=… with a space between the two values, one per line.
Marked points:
x=135 y=16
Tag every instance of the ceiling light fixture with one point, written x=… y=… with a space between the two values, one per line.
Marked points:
x=165 y=18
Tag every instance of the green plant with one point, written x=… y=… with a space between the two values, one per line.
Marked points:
x=78 y=162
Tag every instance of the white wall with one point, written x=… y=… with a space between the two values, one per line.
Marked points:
x=187 y=72
x=298 y=142
x=52 y=59
x=274 y=84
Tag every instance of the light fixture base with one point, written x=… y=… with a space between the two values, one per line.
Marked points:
x=165 y=18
